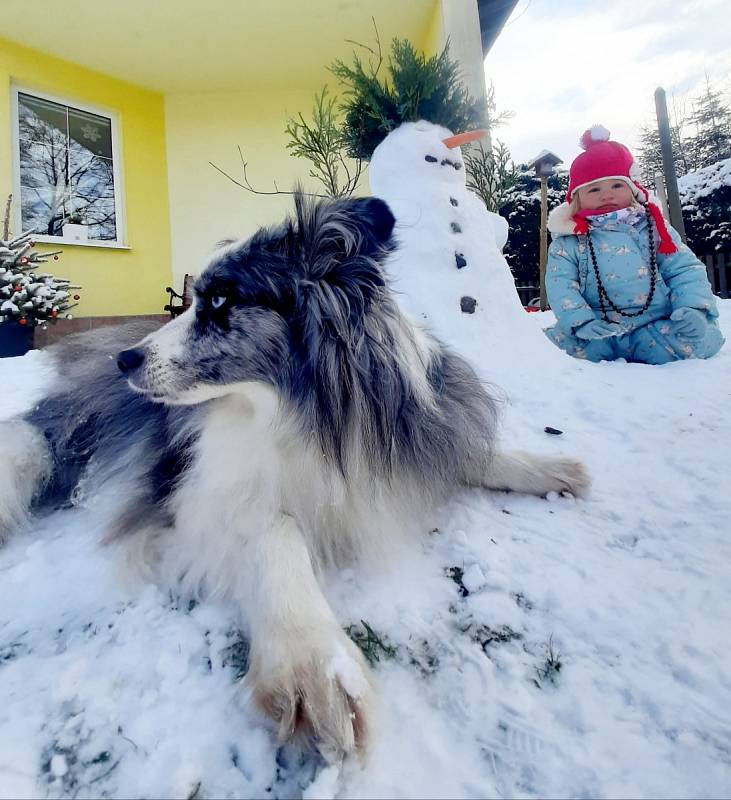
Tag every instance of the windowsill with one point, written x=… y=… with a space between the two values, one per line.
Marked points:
x=91 y=243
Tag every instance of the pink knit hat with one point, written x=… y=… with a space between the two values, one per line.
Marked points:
x=606 y=159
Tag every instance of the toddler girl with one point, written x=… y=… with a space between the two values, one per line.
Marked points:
x=619 y=280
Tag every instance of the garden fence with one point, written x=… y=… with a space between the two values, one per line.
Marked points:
x=718 y=267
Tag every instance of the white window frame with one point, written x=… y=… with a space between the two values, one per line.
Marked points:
x=120 y=243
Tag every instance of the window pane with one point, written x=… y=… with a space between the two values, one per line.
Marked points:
x=66 y=169
x=37 y=111
x=91 y=190
x=42 y=210
x=92 y=132
x=43 y=148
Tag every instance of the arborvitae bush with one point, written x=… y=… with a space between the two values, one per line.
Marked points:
x=415 y=87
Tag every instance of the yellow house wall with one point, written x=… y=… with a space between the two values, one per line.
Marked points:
x=114 y=281
x=205 y=206
x=434 y=35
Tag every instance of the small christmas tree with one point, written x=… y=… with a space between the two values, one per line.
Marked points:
x=26 y=296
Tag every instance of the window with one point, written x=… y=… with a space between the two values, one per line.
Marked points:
x=66 y=176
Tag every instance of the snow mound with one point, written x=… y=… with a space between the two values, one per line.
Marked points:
x=591 y=661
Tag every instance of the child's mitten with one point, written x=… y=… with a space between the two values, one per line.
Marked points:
x=599 y=329
x=689 y=322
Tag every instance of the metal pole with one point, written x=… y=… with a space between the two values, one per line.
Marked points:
x=544 y=242
x=671 y=179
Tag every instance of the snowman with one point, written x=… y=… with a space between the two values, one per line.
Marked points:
x=449 y=273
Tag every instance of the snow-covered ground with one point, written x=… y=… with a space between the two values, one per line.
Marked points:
x=586 y=656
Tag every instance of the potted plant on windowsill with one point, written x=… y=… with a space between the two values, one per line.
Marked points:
x=75 y=229
x=28 y=298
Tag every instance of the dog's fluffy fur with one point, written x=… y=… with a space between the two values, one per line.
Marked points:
x=291 y=418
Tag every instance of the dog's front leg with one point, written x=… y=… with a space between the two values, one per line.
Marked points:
x=531 y=474
x=304 y=671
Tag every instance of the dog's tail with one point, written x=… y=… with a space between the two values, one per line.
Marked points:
x=523 y=472
x=24 y=467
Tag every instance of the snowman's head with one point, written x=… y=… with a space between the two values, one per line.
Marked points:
x=417 y=154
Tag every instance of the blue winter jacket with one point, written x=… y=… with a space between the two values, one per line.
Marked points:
x=623 y=257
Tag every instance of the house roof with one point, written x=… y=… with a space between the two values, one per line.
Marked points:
x=188 y=46
x=493 y=16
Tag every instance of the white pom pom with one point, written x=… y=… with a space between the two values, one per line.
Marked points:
x=599 y=133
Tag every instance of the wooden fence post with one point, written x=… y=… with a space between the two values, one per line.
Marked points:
x=722 y=281
x=544 y=242
x=710 y=272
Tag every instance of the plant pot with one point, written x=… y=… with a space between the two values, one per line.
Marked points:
x=15 y=339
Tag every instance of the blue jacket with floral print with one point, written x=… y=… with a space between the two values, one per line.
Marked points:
x=623 y=258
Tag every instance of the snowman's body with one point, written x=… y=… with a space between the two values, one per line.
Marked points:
x=449 y=272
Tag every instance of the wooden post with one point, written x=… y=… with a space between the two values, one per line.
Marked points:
x=711 y=272
x=661 y=193
x=722 y=282
x=668 y=164
x=544 y=242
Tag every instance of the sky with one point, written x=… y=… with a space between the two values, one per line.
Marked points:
x=564 y=66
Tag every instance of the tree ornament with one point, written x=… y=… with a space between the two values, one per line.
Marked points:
x=22 y=321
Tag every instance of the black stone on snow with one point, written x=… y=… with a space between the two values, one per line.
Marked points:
x=468 y=304
x=455 y=226
x=431 y=159
x=461 y=260
x=453 y=201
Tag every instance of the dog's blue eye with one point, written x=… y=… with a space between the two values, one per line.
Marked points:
x=218 y=300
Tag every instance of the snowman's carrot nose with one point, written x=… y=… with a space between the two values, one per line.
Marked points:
x=464 y=138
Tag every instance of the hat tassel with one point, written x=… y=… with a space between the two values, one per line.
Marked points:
x=667 y=245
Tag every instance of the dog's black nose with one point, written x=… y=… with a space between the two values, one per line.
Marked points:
x=128 y=360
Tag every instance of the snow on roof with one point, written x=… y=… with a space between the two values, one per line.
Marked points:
x=546 y=155
x=705 y=181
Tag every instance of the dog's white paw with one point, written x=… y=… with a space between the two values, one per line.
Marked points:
x=568 y=475
x=323 y=694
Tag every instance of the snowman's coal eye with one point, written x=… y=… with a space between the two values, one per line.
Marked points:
x=431 y=159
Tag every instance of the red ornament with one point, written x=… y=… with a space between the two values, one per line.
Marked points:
x=54 y=313
x=16 y=288
x=77 y=297
x=23 y=321
x=24 y=260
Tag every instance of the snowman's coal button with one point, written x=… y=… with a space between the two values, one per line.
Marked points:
x=453 y=201
x=461 y=260
x=455 y=226
x=458 y=167
x=431 y=159
x=468 y=304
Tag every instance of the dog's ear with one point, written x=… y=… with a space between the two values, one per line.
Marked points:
x=332 y=232
x=340 y=245
x=374 y=218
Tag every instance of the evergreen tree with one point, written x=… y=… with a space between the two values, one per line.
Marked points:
x=522 y=209
x=649 y=153
x=416 y=87
x=712 y=120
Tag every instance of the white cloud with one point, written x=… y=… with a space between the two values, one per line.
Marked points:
x=564 y=66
